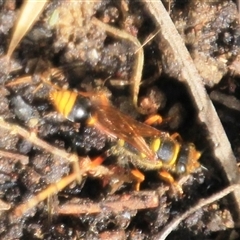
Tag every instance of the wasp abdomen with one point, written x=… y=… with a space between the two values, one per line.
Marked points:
x=71 y=105
x=81 y=110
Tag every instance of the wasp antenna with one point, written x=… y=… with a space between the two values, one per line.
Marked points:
x=204 y=150
x=204 y=168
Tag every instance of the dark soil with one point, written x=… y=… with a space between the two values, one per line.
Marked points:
x=65 y=49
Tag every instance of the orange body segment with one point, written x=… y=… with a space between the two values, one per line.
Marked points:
x=155 y=119
x=139 y=177
x=64 y=101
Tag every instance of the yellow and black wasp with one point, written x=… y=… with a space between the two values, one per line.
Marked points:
x=94 y=109
x=144 y=146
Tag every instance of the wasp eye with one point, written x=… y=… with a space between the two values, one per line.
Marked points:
x=180 y=168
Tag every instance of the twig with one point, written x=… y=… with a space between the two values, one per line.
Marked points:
x=85 y=166
x=226 y=100
x=139 y=60
x=21 y=209
x=126 y=202
x=32 y=137
x=15 y=156
x=174 y=223
x=4 y=205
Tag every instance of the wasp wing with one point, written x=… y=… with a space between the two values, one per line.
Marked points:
x=116 y=124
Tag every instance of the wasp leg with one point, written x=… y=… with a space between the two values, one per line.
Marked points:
x=139 y=177
x=100 y=159
x=154 y=119
x=176 y=136
x=21 y=80
x=167 y=177
x=37 y=88
x=97 y=161
x=76 y=168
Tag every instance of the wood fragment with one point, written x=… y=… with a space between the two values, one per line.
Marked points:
x=15 y=156
x=238 y=6
x=126 y=202
x=116 y=235
x=226 y=100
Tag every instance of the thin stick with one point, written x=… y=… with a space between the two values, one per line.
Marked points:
x=125 y=202
x=21 y=209
x=174 y=223
x=32 y=137
x=149 y=38
x=139 y=60
x=30 y=11
x=238 y=6
x=15 y=156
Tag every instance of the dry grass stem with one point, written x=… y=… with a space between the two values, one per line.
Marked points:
x=174 y=223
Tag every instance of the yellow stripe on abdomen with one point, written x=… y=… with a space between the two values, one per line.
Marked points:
x=64 y=101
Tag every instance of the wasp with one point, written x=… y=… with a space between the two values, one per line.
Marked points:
x=94 y=109
x=172 y=157
x=144 y=146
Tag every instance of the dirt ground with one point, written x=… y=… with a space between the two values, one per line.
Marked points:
x=179 y=59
